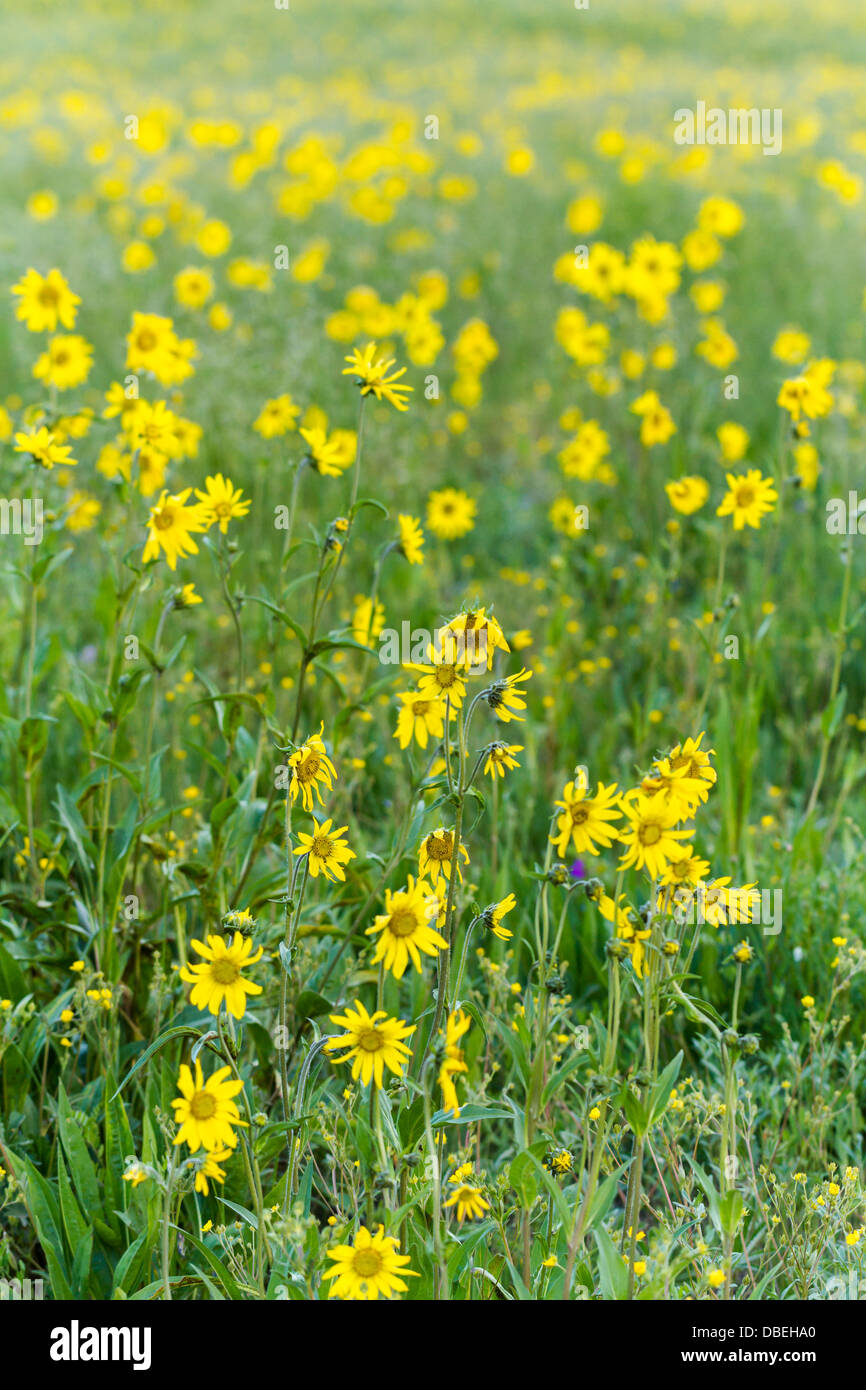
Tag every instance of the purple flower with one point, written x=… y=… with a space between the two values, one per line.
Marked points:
x=577 y=869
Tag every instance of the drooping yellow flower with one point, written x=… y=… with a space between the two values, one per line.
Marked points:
x=374 y=378
x=411 y=543
x=206 y=1110
x=471 y=639
x=649 y=836
x=436 y=853
x=326 y=851
x=494 y=917
x=585 y=820
x=371 y=1043
x=370 y=1269
x=807 y=465
x=500 y=757
x=311 y=769
x=328 y=456
x=171 y=527
x=136 y=1173
x=720 y=904
x=208 y=1166
x=454 y=1061
x=506 y=699
x=628 y=929
x=405 y=928
x=218 y=979
x=749 y=498
x=367 y=621
x=223 y=500
x=45 y=301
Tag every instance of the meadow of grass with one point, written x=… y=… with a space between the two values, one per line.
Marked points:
x=337 y=966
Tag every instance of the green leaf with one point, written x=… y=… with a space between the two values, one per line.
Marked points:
x=522 y=1177
x=710 y=1192
x=81 y=1167
x=45 y=1215
x=74 y=1225
x=81 y=1265
x=469 y=1114
x=309 y=1004
x=731 y=1208
x=228 y=1283
x=612 y=1268
x=148 y=1052
x=70 y=819
x=635 y=1112
x=832 y=716
x=127 y=1267
x=661 y=1092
